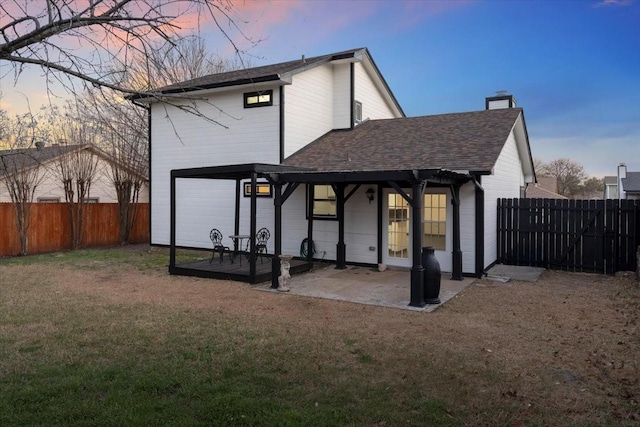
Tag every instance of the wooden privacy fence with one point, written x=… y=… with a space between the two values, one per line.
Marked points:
x=596 y=236
x=50 y=228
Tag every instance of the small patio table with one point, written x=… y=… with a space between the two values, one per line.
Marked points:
x=237 y=244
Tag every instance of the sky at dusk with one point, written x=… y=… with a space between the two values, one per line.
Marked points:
x=574 y=66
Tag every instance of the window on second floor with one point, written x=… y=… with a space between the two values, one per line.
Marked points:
x=258 y=99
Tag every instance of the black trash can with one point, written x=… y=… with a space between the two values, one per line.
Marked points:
x=432 y=276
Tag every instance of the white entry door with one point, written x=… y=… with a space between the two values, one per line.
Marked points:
x=396 y=241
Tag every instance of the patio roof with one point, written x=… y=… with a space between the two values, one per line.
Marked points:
x=286 y=174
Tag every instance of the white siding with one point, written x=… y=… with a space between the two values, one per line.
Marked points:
x=506 y=181
x=360 y=228
x=373 y=104
x=468 y=227
x=342 y=96
x=182 y=140
x=308 y=107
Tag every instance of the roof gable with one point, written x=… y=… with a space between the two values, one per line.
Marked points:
x=458 y=142
x=21 y=158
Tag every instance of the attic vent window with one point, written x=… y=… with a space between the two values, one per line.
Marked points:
x=258 y=99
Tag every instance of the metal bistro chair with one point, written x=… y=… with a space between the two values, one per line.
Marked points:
x=216 y=238
x=262 y=236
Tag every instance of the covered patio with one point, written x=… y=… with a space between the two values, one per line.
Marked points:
x=286 y=179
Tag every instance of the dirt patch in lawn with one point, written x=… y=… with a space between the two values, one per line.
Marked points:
x=563 y=350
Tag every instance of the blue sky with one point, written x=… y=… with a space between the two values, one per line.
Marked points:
x=574 y=66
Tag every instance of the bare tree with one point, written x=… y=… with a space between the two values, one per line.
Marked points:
x=20 y=169
x=92 y=40
x=76 y=169
x=124 y=126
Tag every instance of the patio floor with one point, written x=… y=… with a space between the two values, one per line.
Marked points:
x=365 y=285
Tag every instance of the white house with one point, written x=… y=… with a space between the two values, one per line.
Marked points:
x=327 y=141
x=49 y=188
x=629 y=182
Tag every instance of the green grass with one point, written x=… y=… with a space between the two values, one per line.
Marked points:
x=150 y=258
x=78 y=360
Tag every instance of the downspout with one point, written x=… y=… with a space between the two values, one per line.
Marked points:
x=281 y=124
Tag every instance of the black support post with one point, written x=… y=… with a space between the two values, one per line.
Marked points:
x=311 y=193
x=341 y=248
x=417 y=271
x=277 y=230
x=479 y=228
x=252 y=230
x=457 y=253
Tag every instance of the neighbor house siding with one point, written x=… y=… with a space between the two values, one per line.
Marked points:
x=50 y=186
x=374 y=105
x=506 y=181
x=183 y=140
x=308 y=107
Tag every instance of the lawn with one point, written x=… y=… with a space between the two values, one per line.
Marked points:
x=107 y=337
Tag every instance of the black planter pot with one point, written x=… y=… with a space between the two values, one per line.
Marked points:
x=432 y=276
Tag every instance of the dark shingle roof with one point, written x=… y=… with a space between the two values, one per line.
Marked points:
x=631 y=184
x=459 y=141
x=12 y=160
x=253 y=75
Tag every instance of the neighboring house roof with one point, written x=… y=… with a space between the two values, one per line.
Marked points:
x=459 y=141
x=631 y=184
x=536 y=191
x=23 y=158
x=28 y=157
x=282 y=71
x=549 y=183
x=610 y=180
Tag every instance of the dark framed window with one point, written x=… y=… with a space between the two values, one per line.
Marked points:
x=48 y=199
x=324 y=202
x=258 y=99
x=263 y=189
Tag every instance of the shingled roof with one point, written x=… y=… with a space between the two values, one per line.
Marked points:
x=631 y=184
x=254 y=75
x=22 y=158
x=458 y=141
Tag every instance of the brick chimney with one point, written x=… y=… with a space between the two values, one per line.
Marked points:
x=500 y=100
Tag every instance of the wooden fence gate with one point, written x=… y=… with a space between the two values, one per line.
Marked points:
x=595 y=236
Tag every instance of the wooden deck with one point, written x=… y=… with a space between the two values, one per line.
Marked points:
x=238 y=270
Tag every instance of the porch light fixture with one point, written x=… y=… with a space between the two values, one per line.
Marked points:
x=370 y=192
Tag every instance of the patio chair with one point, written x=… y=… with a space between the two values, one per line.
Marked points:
x=262 y=236
x=216 y=239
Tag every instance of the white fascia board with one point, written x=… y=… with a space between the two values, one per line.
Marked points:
x=284 y=79
x=522 y=144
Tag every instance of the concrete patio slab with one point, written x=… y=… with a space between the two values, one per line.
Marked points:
x=363 y=285
x=504 y=273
